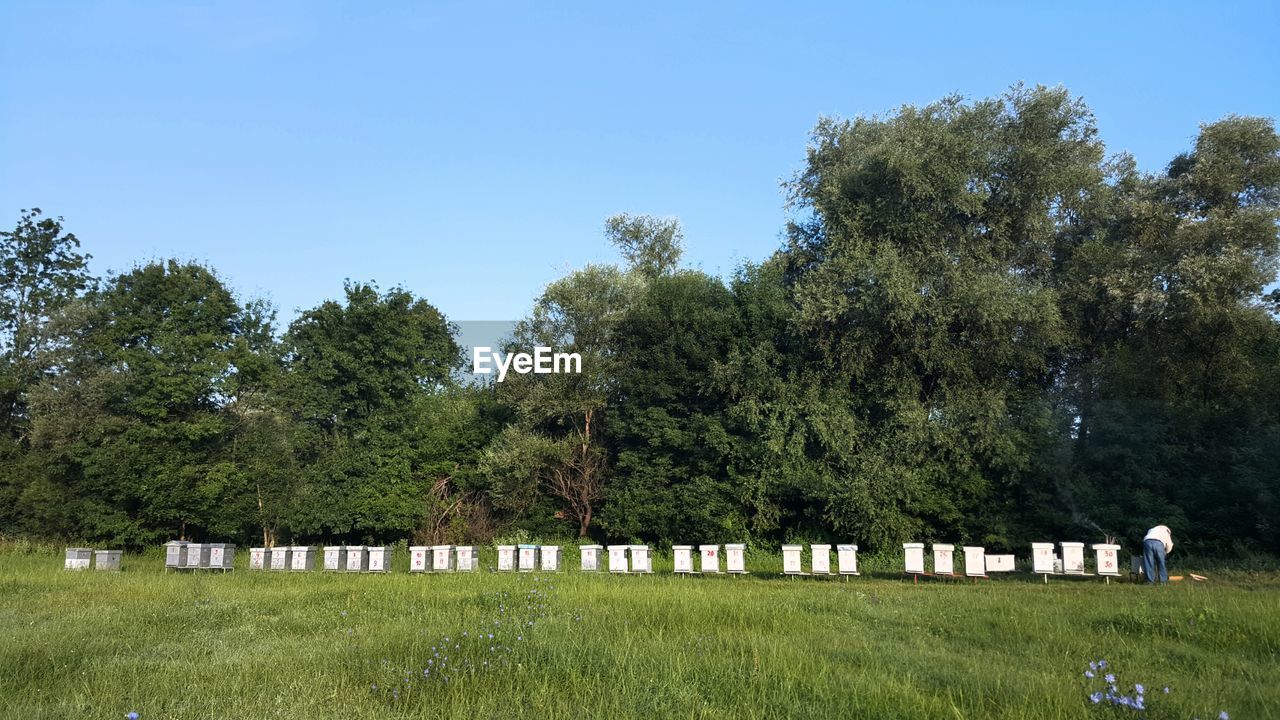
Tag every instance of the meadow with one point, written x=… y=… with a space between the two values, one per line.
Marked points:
x=570 y=645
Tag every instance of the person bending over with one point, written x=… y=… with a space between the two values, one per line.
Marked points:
x=1155 y=547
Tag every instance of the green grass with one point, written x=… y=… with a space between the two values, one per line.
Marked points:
x=271 y=645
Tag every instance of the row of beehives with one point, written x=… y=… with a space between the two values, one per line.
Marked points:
x=443 y=558
x=80 y=559
x=182 y=555
x=977 y=563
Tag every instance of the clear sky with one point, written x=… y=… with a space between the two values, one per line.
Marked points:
x=470 y=151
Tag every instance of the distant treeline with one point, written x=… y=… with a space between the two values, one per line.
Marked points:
x=979 y=328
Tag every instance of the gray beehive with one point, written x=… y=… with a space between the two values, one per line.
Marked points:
x=222 y=556
x=78 y=558
x=355 y=559
x=197 y=556
x=281 y=557
x=333 y=558
x=419 y=558
x=441 y=558
x=257 y=558
x=175 y=554
x=590 y=558
x=302 y=558
x=107 y=559
x=378 y=559
x=506 y=557
x=549 y=555
x=464 y=558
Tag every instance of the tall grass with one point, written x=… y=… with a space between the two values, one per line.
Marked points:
x=571 y=645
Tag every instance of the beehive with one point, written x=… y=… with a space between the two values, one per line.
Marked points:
x=1073 y=558
x=334 y=558
x=506 y=558
x=355 y=558
x=419 y=559
x=975 y=561
x=302 y=558
x=107 y=559
x=820 y=559
x=222 y=556
x=528 y=557
x=1108 y=557
x=943 y=559
x=682 y=559
x=1042 y=558
x=257 y=558
x=175 y=554
x=618 y=558
x=549 y=555
x=379 y=559
x=735 y=558
x=640 y=559
x=589 y=558
x=847 y=559
x=78 y=559
x=791 y=556
x=914 y=557
x=464 y=558
x=710 y=555
x=281 y=557
x=442 y=558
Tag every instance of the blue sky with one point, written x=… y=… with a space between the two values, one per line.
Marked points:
x=471 y=151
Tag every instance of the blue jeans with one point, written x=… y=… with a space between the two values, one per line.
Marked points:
x=1153 y=561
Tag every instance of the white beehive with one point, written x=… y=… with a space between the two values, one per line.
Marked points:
x=1073 y=558
x=1000 y=563
x=640 y=559
x=222 y=556
x=197 y=556
x=302 y=558
x=506 y=558
x=735 y=558
x=175 y=554
x=549 y=557
x=281 y=557
x=589 y=558
x=1108 y=559
x=618 y=558
x=710 y=555
x=791 y=559
x=441 y=558
x=528 y=557
x=914 y=553
x=334 y=558
x=1042 y=558
x=944 y=559
x=847 y=559
x=257 y=558
x=419 y=558
x=464 y=558
x=379 y=558
x=820 y=559
x=682 y=559
x=355 y=558
x=107 y=559
x=975 y=561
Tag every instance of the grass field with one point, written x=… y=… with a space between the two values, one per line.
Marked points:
x=570 y=645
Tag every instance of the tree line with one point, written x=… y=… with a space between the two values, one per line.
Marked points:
x=979 y=327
